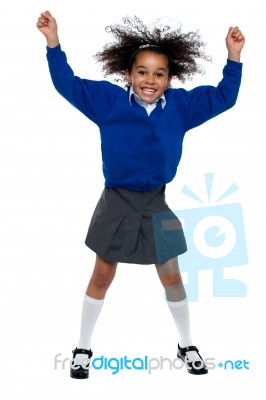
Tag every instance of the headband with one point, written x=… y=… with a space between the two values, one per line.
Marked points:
x=147 y=45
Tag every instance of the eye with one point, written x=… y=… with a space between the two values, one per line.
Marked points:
x=141 y=72
x=159 y=74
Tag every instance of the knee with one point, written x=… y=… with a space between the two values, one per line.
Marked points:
x=174 y=288
x=102 y=279
x=171 y=279
x=103 y=274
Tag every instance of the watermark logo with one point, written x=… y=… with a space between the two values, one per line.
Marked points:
x=146 y=364
x=215 y=237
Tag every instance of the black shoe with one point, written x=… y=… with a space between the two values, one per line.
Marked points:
x=80 y=371
x=193 y=367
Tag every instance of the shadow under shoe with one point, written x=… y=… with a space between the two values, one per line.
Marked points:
x=80 y=371
x=193 y=367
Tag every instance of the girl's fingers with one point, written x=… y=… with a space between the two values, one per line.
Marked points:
x=42 y=22
x=47 y=15
x=239 y=36
x=236 y=34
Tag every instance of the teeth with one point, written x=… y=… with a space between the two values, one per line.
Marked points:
x=148 y=90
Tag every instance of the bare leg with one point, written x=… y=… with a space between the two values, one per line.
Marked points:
x=171 y=280
x=101 y=278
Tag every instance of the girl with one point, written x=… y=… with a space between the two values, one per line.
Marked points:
x=142 y=130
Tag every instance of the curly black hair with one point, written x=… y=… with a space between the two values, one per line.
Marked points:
x=182 y=49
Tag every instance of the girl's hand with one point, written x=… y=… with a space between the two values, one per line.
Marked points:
x=47 y=25
x=235 y=41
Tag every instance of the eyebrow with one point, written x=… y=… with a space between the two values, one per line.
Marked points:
x=158 y=69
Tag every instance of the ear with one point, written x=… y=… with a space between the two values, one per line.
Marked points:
x=128 y=77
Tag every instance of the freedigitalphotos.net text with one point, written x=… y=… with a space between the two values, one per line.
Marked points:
x=145 y=363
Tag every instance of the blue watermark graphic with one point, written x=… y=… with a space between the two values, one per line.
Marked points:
x=215 y=237
x=146 y=364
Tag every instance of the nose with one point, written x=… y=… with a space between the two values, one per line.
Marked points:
x=150 y=79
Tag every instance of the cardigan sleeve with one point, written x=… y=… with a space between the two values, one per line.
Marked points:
x=206 y=102
x=92 y=98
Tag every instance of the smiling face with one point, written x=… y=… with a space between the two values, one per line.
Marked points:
x=149 y=75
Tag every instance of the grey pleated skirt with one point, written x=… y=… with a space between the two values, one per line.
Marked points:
x=135 y=227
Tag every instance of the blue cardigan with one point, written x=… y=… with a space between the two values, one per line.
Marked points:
x=141 y=152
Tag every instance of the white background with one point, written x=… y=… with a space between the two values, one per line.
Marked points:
x=50 y=166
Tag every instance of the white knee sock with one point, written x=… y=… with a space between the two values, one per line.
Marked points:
x=180 y=313
x=90 y=313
